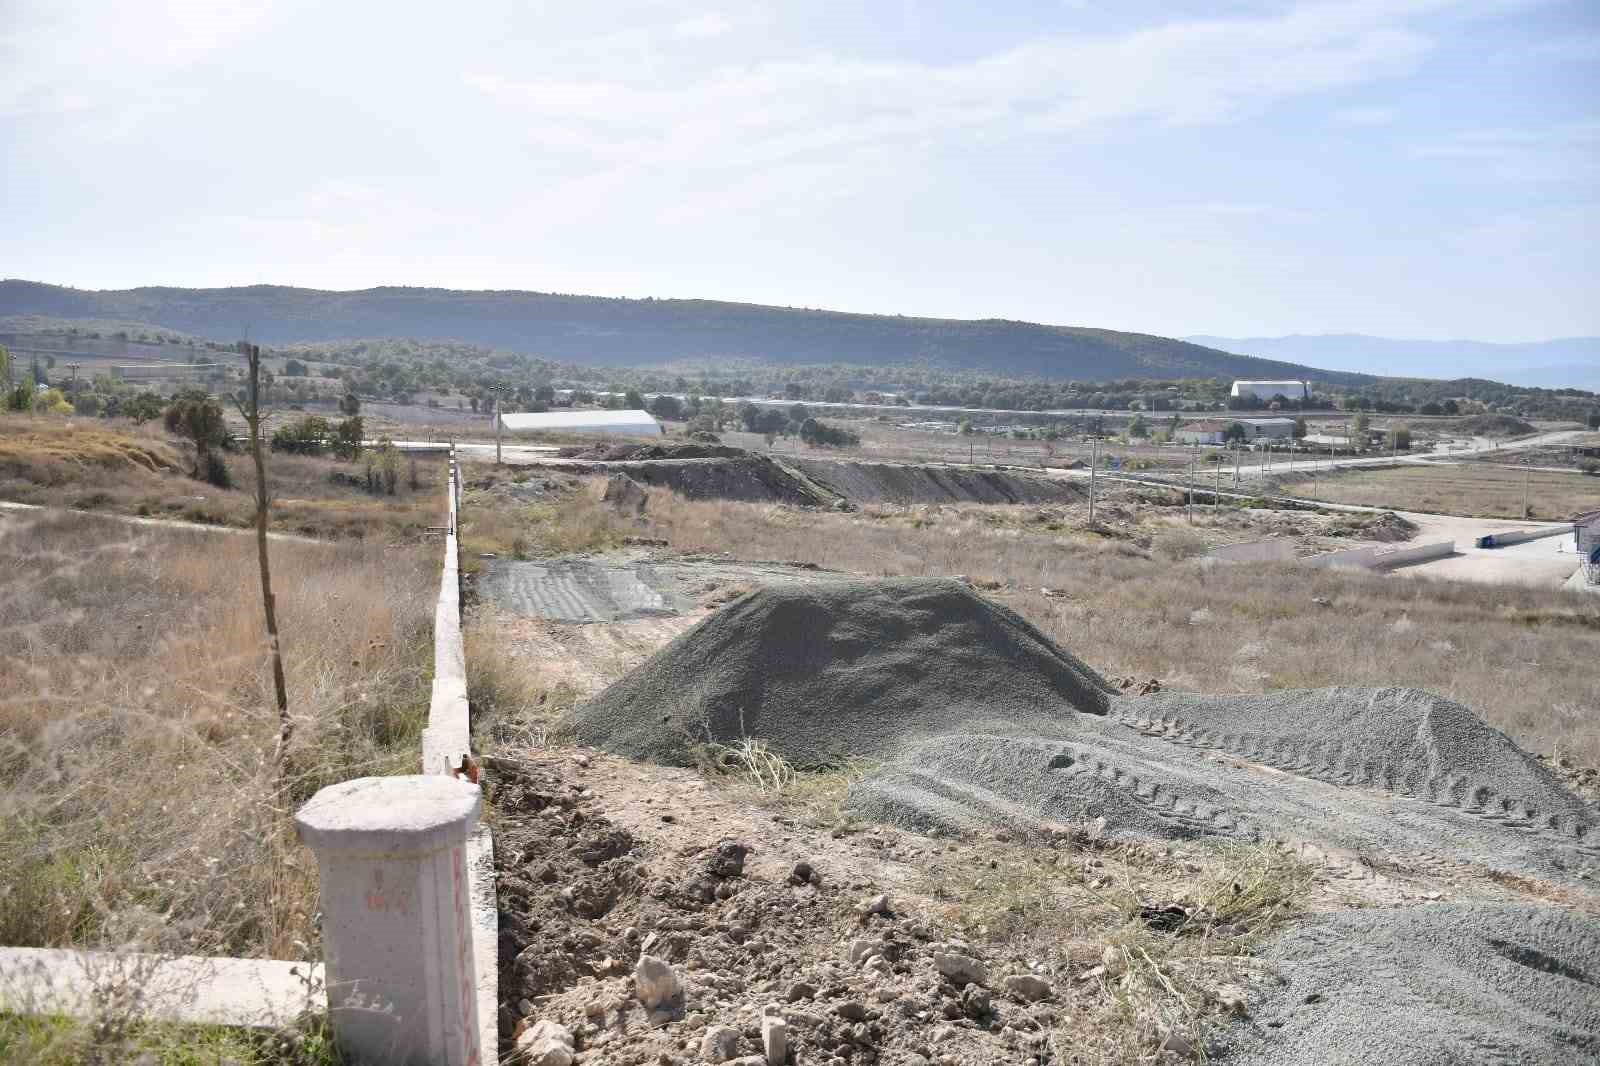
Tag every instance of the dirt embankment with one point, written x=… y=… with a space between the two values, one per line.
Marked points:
x=862 y=483
x=705 y=472
x=752 y=479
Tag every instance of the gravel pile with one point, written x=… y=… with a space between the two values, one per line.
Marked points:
x=977 y=721
x=1435 y=984
x=852 y=668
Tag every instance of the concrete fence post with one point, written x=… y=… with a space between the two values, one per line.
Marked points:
x=391 y=852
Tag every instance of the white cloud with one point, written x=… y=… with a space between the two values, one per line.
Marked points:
x=1364 y=116
x=79 y=55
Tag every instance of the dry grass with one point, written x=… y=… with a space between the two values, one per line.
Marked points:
x=1082 y=910
x=119 y=468
x=1522 y=658
x=139 y=801
x=562 y=525
x=1483 y=490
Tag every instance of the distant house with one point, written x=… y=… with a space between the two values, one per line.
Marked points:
x=1267 y=391
x=1206 y=431
x=626 y=423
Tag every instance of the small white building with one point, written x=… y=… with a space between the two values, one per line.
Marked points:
x=1267 y=391
x=626 y=423
x=1206 y=431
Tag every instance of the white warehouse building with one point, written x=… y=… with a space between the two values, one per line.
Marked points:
x=626 y=423
x=1267 y=391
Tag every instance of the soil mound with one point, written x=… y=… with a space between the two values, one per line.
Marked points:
x=864 y=483
x=612 y=453
x=1435 y=984
x=825 y=672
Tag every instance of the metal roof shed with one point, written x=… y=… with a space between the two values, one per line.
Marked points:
x=629 y=423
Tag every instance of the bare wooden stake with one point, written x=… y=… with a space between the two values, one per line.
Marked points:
x=252 y=416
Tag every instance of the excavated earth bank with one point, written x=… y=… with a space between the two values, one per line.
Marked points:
x=719 y=473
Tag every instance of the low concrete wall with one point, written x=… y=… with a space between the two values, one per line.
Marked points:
x=448 y=735
x=1381 y=557
x=1520 y=536
x=187 y=989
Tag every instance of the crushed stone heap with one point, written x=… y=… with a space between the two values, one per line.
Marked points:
x=1431 y=985
x=825 y=672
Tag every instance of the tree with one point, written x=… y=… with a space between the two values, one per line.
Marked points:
x=5 y=364
x=250 y=408
x=197 y=418
x=1299 y=429
x=545 y=394
x=142 y=407
x=633 y=400
x=1137 y=427
x=1594 y=419
x=1235 y=432
x=1400 y=437
x=51 y=402
x=966 y=427
x=350 y=405
x=347 y=438
x=668 y=408
x=798 y=413
x=294 y=368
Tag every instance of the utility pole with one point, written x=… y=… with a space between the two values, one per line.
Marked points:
x=499 y=391
x=1527 y=472
x=1216 y=489
x=1194 y=461
x=72 y=389
x=1237 y=455
x=1094 y=461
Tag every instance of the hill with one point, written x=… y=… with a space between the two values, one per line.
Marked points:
x=1571 y=362
x=604 y=331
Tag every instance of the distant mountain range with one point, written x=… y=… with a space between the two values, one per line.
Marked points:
x=600 y=331
x=1572 y=362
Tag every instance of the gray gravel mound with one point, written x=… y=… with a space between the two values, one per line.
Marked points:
x=1430 y=985
x=1392 y=739
x=963 y=783
x=851 y=668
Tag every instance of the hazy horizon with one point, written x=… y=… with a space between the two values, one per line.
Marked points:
x=1422 y=169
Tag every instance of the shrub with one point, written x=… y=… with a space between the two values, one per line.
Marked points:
x=306 y=436
x=821 y=434
x=197 y=418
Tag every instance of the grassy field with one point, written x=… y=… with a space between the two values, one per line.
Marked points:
x=1481 y=490
x=1521 y=658
x=120 y=468
x=139 y=800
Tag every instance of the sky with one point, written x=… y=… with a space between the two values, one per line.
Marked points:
x=1412 y=168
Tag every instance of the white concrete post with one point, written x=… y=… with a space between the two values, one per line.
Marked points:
x=391 y=852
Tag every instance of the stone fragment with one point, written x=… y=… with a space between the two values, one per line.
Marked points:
x=546 y=1044
x=655 y=982
x=775 y=1039
x=720 y=1044
x=961 y=969
x=1027 y=987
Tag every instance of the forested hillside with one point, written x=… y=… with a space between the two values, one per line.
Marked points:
x=600 y=331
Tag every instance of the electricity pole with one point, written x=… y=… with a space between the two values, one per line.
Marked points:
x=1216 y=490
x=1094 y=461
x=498 y=391
x=1194 y=459
x=1527 y=472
